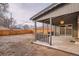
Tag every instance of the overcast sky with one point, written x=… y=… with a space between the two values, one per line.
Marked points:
x=23 y=11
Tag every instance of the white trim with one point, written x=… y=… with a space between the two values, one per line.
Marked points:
x=44 y=10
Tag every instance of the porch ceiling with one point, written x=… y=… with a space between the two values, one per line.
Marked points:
x=68 y=19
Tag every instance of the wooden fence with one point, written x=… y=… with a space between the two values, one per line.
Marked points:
x=15 y=32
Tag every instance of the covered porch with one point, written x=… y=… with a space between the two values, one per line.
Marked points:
x=65 y=26
x=62 y=32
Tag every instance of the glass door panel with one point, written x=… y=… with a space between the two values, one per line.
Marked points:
x=69 y=30
x=66 y=30
x=62 y=30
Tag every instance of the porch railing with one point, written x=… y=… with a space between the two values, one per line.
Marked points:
x=42 y=37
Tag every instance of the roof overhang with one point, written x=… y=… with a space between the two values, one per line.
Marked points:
x=52 y=6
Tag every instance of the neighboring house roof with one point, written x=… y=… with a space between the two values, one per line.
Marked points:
x=45 y=10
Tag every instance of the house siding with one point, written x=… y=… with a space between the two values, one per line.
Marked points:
x=65 y=9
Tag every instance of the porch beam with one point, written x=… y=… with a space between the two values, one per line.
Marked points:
x=50 y=31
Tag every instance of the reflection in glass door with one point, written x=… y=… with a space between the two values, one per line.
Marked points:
x=62 y=30
x=66 y=30
x=69 y=30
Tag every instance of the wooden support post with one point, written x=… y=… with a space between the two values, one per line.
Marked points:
x=50 y=31
x=47 y=33
x=65 y=30
x=43 y=32
x=78 y=27
x=54 y=30
x=35 y=30
x=43 y=27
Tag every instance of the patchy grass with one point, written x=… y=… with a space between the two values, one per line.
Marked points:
x=25 y=47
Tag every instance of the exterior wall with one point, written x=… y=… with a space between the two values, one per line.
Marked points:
x=65 y=9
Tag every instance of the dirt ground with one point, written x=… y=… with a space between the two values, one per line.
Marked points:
x=21 y=45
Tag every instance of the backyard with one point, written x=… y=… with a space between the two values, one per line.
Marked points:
x=21 y=45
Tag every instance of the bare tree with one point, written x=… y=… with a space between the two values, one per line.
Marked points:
x=3 y=9
x=4 y=19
